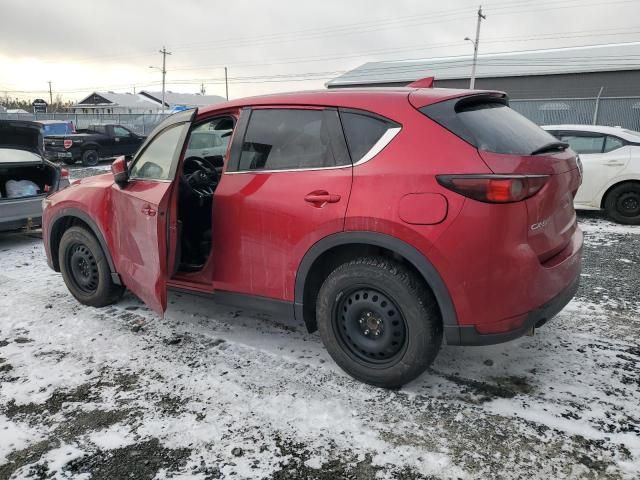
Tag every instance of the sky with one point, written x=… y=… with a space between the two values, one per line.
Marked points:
x=270 y=46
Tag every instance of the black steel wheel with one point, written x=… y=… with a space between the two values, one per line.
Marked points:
x=622 y=203
x=85 y=268
x=379 y=321
x=370 y=326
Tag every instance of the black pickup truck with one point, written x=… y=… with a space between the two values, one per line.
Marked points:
x=92 y=144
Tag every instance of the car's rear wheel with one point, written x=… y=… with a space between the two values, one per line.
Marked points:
x=379 y=321
x=622 y=203
x=90 y=158
x=85 y=269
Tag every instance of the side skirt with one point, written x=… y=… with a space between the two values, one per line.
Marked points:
x=276 y=308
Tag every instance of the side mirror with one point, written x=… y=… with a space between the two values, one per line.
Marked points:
x=120 y=171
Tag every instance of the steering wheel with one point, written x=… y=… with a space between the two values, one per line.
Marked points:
x=200 y=177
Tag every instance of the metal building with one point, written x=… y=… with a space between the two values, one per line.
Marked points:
x=589 y=84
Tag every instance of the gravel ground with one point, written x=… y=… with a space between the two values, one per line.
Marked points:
x=210 y=392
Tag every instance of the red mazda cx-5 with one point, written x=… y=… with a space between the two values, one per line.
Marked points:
x=384 y=218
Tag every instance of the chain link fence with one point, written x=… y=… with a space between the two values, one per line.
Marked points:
x=141 y=123
x=612 y=111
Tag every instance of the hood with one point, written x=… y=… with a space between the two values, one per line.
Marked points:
x=21 y=135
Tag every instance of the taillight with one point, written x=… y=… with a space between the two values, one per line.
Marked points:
x=68 y=143
x=494 y=188
x=64 y=174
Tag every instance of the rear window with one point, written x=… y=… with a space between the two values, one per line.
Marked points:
x=489 y=125
x=57 y=129
x=362 y=131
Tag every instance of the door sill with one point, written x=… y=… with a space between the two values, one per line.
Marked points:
x=185 y=284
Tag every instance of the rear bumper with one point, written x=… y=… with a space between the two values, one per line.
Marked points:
x=20 y=212
x=468 y=335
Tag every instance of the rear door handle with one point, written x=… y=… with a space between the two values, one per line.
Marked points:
x=614 y=164
x=147 y=210
x=320 y=198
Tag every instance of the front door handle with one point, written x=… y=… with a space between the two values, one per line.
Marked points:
x=614 y=164
x=320 y=198
x=147 y=210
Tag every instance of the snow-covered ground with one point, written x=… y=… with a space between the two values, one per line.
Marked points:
x=211 y=392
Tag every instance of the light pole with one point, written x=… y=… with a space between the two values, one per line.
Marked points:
x=475 y=43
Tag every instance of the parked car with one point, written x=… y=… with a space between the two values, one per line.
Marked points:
x=208 y=143
x=611 y=160
x=386 y=219
x=25 y=176
x=93 y=143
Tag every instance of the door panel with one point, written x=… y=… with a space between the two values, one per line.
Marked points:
x=139 y=212
x=263 y=226
x=598 y=170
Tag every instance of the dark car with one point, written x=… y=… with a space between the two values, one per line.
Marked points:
x=386 y=218
x=91 y=144
x=25 y=176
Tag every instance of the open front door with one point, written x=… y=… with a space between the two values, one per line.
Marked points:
x=141 y=211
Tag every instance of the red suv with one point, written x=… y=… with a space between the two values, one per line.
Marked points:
x=385 y=218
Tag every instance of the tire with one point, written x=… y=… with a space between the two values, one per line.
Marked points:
x=622 y=203
x=90 y=158
x=85 y=269
x=378 y=321
x=68 y=161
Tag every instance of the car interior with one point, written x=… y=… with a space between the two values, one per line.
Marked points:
x=201 y=171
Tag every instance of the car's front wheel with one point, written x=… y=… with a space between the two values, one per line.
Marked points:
x=85 y=269
x=379 y=321
x=622 y=203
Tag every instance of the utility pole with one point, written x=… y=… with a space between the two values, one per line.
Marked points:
x=226 y=83
x=164 y=71
x=476 y=43
x=202 y=90
x=50 y=94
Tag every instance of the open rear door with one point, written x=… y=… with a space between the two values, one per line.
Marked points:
x=141 y=211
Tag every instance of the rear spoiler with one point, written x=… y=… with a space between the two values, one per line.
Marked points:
x=426 y=82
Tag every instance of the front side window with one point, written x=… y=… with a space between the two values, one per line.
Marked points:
x=156 y=160
x=584 y=144
x=279 y=139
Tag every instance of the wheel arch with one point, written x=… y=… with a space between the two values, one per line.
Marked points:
x=67 y=218
x=90 y=146
x=339 y=247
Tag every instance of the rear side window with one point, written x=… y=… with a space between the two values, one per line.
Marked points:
x=489 y=125
x=612 y=143
x=585 y=143
x=362 y=132
x=283 y=139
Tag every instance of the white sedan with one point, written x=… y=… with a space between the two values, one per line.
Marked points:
x=611 y=161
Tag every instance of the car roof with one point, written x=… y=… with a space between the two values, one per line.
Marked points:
x=362 y=98
x=49 y=122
